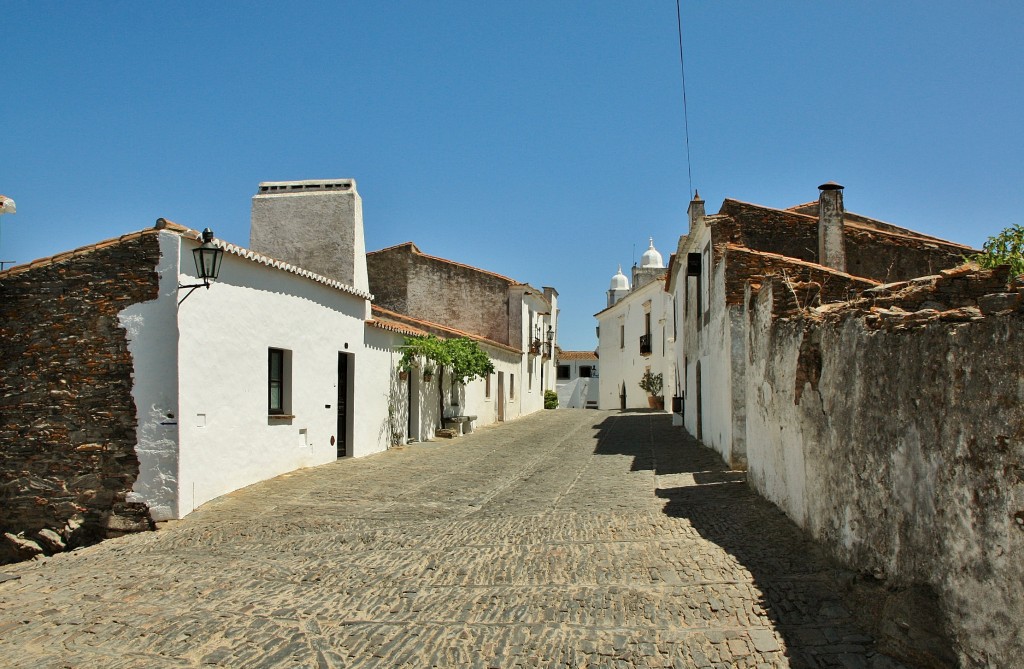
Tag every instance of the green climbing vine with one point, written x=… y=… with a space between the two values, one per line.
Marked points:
x=462 y=358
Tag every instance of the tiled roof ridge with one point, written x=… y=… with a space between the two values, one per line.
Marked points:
x=394 y=326
x=164 y=225
x=262 y=259
x=416 y=250
x=577 y=355
x=731 y=246
x=897 y=231
x=80 y=251
x=399 y=317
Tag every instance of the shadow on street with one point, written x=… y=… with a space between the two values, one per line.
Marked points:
x=802 y=591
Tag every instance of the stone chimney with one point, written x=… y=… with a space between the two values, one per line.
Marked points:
x=695 y=211
x=831 y=246
x=315 y=225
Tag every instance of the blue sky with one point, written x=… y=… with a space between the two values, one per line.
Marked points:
x=541 y=140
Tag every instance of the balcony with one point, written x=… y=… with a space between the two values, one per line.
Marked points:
x=645 y=345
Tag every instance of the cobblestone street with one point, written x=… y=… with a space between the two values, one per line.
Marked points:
x=570 y=538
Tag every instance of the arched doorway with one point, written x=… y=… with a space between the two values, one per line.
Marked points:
x=622 y=397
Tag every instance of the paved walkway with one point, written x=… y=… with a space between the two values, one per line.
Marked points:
x=570 y=538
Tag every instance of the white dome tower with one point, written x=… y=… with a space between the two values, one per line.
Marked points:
x=619 y=287
x=651 y=258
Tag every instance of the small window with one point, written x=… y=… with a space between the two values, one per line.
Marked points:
x=622 y=336
x=529 y=374
x=586 y=371
x=487 y=386
x=511 y=385
x=278 y=381
x=563 y=371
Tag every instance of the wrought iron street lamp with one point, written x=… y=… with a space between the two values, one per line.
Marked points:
x=208 y=258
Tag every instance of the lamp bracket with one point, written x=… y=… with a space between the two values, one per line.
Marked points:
x=193 y=286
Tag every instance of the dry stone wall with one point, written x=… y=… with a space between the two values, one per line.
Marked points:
x=67 y=418
x=892 y=428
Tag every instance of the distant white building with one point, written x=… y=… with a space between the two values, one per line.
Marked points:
x=635 y=334
x=577 y=378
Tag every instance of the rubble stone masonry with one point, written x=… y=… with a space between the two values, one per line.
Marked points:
x=67 y=419
x=892 y=428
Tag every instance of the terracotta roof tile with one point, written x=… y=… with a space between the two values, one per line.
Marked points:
x=83 y=250
x=397 y=322
x=739 y=248
x=415 y=249
x=163 y=225
x=855 y=221
x=577 y=355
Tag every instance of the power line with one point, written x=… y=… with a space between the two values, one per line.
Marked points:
x=686 y=119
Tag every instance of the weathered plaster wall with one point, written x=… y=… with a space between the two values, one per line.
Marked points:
x=152 y=329
x=321 y=231
x=227 y=440
x=707 y=339
x=67 y=416
x=896 y=437
x=441 y=292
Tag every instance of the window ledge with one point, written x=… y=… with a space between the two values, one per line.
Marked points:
x=280 y=416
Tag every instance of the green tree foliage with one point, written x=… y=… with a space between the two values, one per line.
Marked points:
x=1006 y=248
x=550 y=399
x=462 y=358
x=652 y=383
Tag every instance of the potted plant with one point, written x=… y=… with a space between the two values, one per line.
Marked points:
x=652 y=384
x=428 y=373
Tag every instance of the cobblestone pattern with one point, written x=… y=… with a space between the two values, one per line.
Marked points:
x=570 y=538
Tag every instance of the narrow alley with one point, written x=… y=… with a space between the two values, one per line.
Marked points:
x=569 y=538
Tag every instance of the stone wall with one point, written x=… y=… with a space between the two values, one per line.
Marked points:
x=433 y=289
x=816 y=283
x=892 y=429
x=874 y=251
x=67 y=419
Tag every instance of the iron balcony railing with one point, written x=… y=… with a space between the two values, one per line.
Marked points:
x=645 y=344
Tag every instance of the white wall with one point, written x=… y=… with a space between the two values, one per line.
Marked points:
x=226 y=438
x=621 y=362
x=153 y=343
x=711 y=345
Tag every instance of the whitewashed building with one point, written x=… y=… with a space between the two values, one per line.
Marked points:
x=155 y=391
x=635 y=334
x=578 y=379
x=823 y=252
x=515 y=322
x=265 y=372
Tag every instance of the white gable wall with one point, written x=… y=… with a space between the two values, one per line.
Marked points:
x=227 y=439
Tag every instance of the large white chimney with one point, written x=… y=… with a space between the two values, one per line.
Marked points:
x=315 y=225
